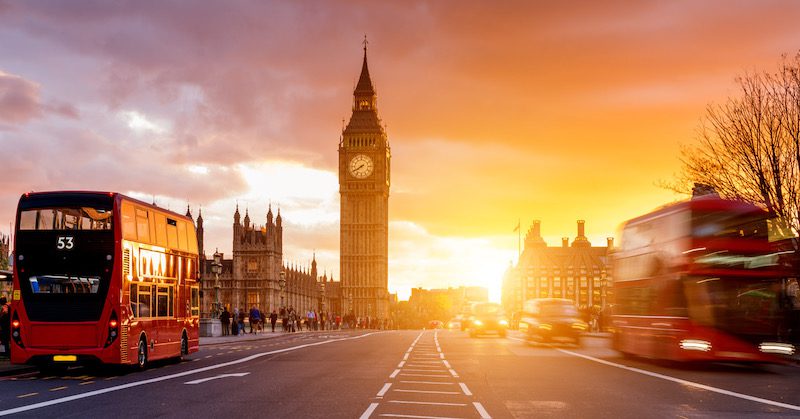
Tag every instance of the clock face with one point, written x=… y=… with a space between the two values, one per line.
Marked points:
x=361 y=166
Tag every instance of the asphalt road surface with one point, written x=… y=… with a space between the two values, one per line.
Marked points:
x=406 y=374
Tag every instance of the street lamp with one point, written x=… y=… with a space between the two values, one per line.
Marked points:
x=216 y=269
x=282 y=285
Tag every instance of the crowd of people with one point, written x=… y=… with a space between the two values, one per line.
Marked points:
x=241 y=321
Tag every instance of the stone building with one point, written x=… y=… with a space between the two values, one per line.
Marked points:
x=251 y=276
x=577 y=271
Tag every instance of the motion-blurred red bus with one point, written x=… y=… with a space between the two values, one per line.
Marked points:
x=701 y=280
x=101 y=277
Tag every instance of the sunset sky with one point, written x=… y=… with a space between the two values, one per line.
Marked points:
x=496 y=112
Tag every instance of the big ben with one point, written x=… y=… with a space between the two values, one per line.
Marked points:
x=364 y=180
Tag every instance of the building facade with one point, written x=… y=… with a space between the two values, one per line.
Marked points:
x=364 y=180
x=577 y=271
x=251 y=277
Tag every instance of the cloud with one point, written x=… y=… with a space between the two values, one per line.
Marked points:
x=19 y=99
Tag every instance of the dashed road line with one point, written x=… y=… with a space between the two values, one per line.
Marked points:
x=465 y=389
x=425 y=391
x=428 y=403
x=367 y=413
x=384 y=389
x=453 y=372
x=427 y=382
x=394 y=374
x=22 y=396
x=392 y=415
x=481 y=411
x=58 y=388
x=425 y=375
x=85 y=383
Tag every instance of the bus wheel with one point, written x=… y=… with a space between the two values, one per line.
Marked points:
x=184 y=345
x=141 y=358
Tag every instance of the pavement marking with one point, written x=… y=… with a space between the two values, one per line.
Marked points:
x=208 y=356
x=453 y=372
x=85 y=382
x=441 y=356
x=426 y=391
x=446 y=364
x=426 y=362
x=384 y=389
x=465 y=389
x=367 y=413
x=203 y=380
x=400 y=365
x=394 y=374
x=481 y=411
x=22 y=396
x=430 y=403
x=684 y=382
x=393 y=415
x=170 y=377
x=405 y=357
x=425 y=375
x=58 y=388
x=427 y=382
x=424 y=370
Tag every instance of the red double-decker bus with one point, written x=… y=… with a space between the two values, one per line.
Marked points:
x=702 y=280
x=101 y=277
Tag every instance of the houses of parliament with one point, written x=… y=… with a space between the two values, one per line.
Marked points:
x=251 y=276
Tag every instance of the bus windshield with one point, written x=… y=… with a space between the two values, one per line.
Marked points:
x=83 y=218
x=63 y=284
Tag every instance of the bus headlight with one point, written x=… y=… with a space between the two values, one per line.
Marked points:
x=503 y=322
x=477 y=322
x=695 y=345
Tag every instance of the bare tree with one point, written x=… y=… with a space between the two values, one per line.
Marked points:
x=749 y=147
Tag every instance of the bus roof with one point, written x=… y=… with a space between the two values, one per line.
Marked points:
x=43 y=197
x=703 y=203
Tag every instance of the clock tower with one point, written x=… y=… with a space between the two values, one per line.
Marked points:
x=364 y=157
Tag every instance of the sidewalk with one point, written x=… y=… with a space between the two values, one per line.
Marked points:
x=6 y=368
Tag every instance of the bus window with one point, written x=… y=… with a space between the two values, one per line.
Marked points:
x=195 y=301
x=172 y=233
x=141 y=297
x=128 y=221
x=182 y=244
x=162 y=301
x=142 y=225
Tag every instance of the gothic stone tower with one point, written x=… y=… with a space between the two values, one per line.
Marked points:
x=364 y=157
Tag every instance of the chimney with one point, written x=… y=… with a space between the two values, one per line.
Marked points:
x=565 y=241
x=581 y=228
x=610 y=241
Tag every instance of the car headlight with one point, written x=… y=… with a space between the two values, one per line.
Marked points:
x=503 y=322
x=477 y=322
x=579 y=326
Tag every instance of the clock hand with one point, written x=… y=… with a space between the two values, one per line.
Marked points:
x=358 y=168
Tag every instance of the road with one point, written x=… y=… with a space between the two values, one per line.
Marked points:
x=412 y=374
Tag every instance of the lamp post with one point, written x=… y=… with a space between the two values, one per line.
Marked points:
x=216 y=269
x=282 y=285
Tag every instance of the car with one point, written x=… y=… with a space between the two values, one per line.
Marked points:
x=487 y=318
x=435 y=324
x=454 y=323
x=551 y=320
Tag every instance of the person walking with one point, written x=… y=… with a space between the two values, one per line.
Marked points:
x=273 y=318
x=255 y=318
x=5 y=326
x=242 y=315
x=225 y=319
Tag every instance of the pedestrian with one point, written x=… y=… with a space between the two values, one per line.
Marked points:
x=5 y=326
x=255 y=318
x=273 y=318
x=225 y=319
x=241 y=321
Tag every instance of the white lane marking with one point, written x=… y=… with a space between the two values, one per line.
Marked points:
x=426 y=362
x=394 y=374
x=685 y=382
x=400 y=365
x=367 y=413
x=426 y=391
x=424 y=369
x=425 y=375
x=427 y=382
x=441 y=356
x=453 y=372
x=170 y=377
x=446 y=364
x=430 y=403
x=481 y=411
x=395 y=415
x=203 y=380
x=465 y=389
x=384 y=389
